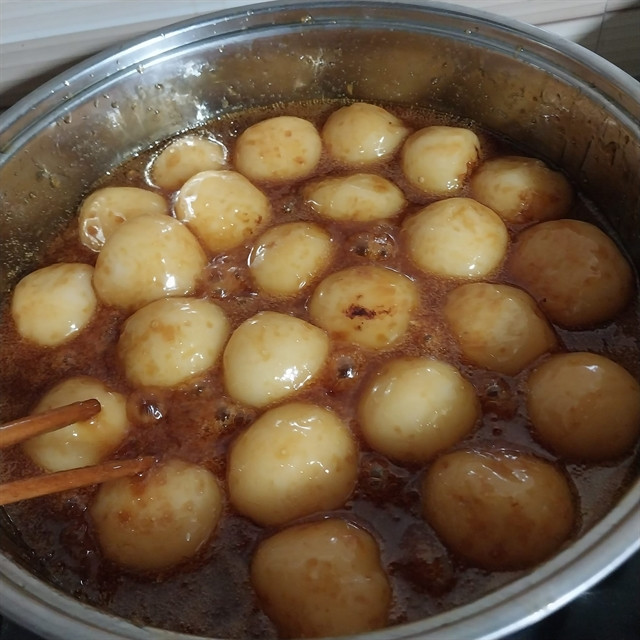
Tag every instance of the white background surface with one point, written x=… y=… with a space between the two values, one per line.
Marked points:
x=41 y=37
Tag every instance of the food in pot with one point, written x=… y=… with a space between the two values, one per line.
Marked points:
x=338 y=334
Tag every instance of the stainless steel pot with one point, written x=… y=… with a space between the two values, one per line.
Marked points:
x=557 y=100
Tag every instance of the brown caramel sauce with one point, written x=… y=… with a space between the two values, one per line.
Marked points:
x=211 y=594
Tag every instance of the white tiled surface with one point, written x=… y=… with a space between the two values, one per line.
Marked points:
x=40 y=37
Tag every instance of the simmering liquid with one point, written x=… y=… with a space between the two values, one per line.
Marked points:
x=211 y=594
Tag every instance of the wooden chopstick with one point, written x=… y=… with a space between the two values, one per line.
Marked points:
x=24 y=428
x=72 y=479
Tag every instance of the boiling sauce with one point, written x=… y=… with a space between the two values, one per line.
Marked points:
x=210 y=595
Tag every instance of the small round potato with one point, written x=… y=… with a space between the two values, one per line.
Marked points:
x=288 y=257
x=437 y=160
x=294 y=460
x=52 y=305
x=498 y=327
x=362 y=134
x=498 y=510
x=367 y=305
x=183 y=157
x=272 y=355
x=104 y=210
x=278 y=149
x=171 y=341
x=84 y=443
x=222 y=208
x=322 y=579
x=148 y=258
x=361 y=197
x=456 y=237
x=574 y=270
x=413 y=408
x=584 y=407
x=521 y=189
x=159 y=520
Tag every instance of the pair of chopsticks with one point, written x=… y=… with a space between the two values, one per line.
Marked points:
x=24 y=428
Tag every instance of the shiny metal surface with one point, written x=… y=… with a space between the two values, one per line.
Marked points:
x=554 y=98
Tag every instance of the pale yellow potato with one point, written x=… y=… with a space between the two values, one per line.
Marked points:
x=366 y=305
x=272 y=355
x=413 y=408
x=362 y=134
x=158 y=520
x=183 y=157
x=498 y=510
x=104 y=210
x=53 y=304
x=294 y=460
x=83 y=443
x=521 y=189
x=584 y=407
x=498 y=327
x=322 y=579
x=437 y=160
x=361 y=197
x=278 y=149
x=575 y=271
x=148 y=258
x=288 y=257
x=171 y=341
x=222 y=208
x=456 y=237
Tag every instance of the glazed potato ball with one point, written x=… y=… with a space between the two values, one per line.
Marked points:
x=521 y=189
x=437 y=160
x=172 y=340
x=362 y=134
x=158 y=520
x=414 y=408
x=584 y=406
x=366 y=305
x=456 y=237
x=52 y=305
x=104 y=210
x=498 y=327
x=322 y=579
x=361 y=197
x=287 y=257
x=272 y=355
x=278 y=149
x=294 y=460
x=82 y=443
x=574 y=270
x=183 y=157
x=498 y=510
x=222 y=208
x=148 y=258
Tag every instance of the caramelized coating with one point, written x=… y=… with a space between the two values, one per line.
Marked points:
x=159 y=520
x=82 y=443
x=362 y=134
x=574 y=270
x=322 y=579
x=369 y=306
x=498 y=510
x=522 y=189
x=278 y=149
x=584 y=406
x=456 y=237
x=104 y=210
x=52 y=305
x=498 y=327
x=295 y=460
x=413 y=408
